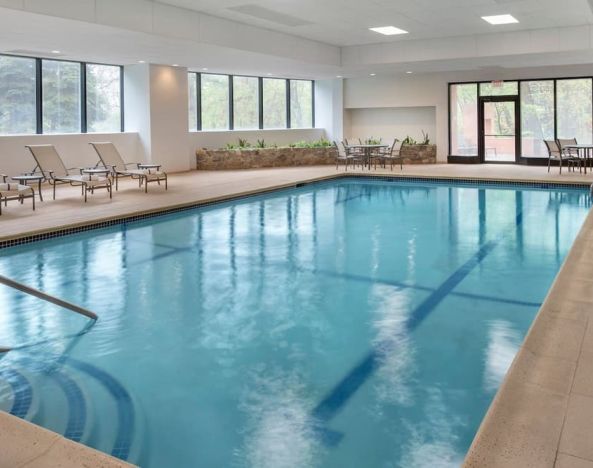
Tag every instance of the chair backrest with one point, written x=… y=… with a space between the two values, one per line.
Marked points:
x=108 y=154
x=396 y=147
x=563 y=142
x=553 y=148
x=341 y=149
x=48 y=160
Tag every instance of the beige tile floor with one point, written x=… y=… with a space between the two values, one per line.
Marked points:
x=542 y=415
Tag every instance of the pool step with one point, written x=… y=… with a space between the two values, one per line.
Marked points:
x=79 y=401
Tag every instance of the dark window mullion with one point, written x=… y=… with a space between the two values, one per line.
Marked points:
x=83 y=106
x=199 y=100
x=121 y=99
x=288 y=122
x=39 y=96
x=555 y=112
x=231 y=104
x=261 y=102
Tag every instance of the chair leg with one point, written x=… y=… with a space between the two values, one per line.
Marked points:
x=54 y=184
x=166 y=183
x=549 y=164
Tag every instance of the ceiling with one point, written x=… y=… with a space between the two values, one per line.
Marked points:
x=346 y=22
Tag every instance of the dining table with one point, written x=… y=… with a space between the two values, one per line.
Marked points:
x=586 y=150
x=368 y=150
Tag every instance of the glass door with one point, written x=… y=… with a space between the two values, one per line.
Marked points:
x=499 y=129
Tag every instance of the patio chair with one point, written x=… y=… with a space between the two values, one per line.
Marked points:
x=145 y=173
x=574 y=153
x=391 y=154
x=12 y=191
x=55 y=172
x=344 y=155
x=556 y=153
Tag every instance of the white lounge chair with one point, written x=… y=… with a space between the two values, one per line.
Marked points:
x=13 y=191
x=145 y=173
x=52 y=167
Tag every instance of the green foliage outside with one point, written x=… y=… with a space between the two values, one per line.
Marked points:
x=61 y=95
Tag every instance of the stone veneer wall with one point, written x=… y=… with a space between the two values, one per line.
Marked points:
x=419 y=154
x=223 y=159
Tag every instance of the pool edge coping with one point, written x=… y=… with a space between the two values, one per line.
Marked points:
x=491 y=433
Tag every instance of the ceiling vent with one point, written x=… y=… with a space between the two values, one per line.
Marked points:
x=272 y=16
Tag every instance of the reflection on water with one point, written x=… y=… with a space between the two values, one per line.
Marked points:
x=334 y=325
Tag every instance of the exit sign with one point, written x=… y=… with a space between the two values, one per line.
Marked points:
x=497 y=83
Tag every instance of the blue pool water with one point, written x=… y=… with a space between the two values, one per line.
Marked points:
x=343 y=324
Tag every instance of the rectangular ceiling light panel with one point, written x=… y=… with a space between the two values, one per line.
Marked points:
x=500 y=19
x=388 y=30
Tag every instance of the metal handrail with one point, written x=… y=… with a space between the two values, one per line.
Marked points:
x=46 y=297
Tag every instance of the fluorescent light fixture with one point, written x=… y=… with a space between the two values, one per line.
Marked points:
x=500 y=19
x=269 y=74
x=141 y=61
x=204 y=69
x=175 y=64
x=56 y=52
x=338 y=76
x=388 y=30
x=372 y=74
x=409 y=72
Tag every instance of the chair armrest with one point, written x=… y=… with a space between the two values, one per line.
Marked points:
x=3 y=177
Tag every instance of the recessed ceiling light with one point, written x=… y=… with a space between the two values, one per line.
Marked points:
x=338 y=76
x=141 y=61
x=409 y=72
x=373 y=74
x=388 y=30
x=500 y=19
x=175 y=64
x=204 y=69
x=56 y=52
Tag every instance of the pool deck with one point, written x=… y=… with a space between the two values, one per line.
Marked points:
x=542 y=416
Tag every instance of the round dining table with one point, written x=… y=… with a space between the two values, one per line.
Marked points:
x=368 y=149
x=585 y=149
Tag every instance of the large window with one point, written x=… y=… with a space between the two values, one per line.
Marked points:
x=537 y=117
x=552 y=108
x=245 y=103
x=56 y=96
x=574 y=109
x=225 y=102
x=301 y=104
x=215 y=102
x=464 y=119
x=61 y=96
x=192 y=91
x=274 y=103
x=103 y=98
x=17 y=95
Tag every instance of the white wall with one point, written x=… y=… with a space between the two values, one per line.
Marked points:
x=74 y=149
x=391 y=122
x=431 y=90
x=329 y=107
x=219 y=139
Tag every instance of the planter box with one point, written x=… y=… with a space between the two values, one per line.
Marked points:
x=419 y=154
x=214 y=160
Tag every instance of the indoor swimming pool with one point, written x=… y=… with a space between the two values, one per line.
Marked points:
x=347 y=323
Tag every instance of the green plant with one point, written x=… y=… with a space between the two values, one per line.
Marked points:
x=372 y=141
x=243 y=143
x=230 y=146
x=408 y=140
x=425 y=139
x=261 y=143
x=292 y=145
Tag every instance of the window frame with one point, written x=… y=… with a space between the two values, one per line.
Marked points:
x=82 y=87
x=521 y=159
x=198 y=77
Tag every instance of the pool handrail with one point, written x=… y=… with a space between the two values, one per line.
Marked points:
x=48 y=298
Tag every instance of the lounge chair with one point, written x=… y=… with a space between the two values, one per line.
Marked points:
x=52 y=167
x=145 y=173
x=13 y=191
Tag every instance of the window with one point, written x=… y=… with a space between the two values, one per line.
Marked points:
x=574 y=111
x=274 y=103
x=61 y=96
x=215 y=102
x=505 y=88
x=103 y=98
x=301 y=104
x=192 y=83
x=537 y=117
x=245 y=103
x=18 y=112
x=464 y=119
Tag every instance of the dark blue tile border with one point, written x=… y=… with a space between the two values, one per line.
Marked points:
x=385 y=178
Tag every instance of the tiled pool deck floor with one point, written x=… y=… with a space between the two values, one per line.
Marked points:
x=542 y=415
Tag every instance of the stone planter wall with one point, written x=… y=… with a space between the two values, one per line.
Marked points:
x=419 y=154
x=222 y=159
